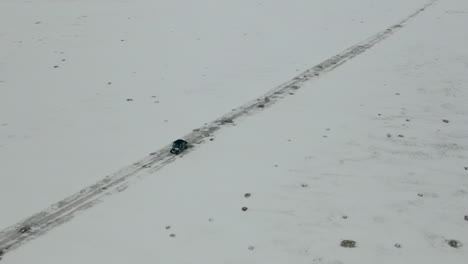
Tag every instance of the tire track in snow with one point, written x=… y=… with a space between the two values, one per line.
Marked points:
x=63 y=211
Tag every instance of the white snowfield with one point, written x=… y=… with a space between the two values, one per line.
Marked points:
x=374 y=150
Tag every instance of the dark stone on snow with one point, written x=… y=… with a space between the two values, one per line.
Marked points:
x=247 y=195
x=244 y=208
x=445 y=121
x=348 y=243
x=454 y=243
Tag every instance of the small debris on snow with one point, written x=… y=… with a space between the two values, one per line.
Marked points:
x=401 y=136
x=454 y=243
x=348 y=243
x=226 y=121
x=56 y=66
x=397 y=245
x=345 y=217
x=407 y=120
x=146 y=166
x=304 y=185
x=261 y=106
x=109 y=83
x=251 y=248
x=168 y=227
x=129 y=100
x=153 y=153
x=276 y=166
x=210 y=219
x=466 y=168
x=420 y=195
x=244 y=208
x=172 y=235
x=211 y=139
x=397 y=94
x=389 y=135
x=466 y=217
x=25 y=229
x=247 y=195
x=445 y=121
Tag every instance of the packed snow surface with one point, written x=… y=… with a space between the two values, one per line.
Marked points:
x=367 y=163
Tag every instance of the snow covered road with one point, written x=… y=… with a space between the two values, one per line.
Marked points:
x=65 y=210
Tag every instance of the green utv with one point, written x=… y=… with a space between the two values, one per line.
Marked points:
x=178 y=146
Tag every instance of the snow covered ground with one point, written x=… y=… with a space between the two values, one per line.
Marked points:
x=374 y=151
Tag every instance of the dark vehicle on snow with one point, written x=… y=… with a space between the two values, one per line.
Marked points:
x=178 y=146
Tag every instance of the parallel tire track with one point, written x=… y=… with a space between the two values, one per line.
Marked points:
x=64 y=210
